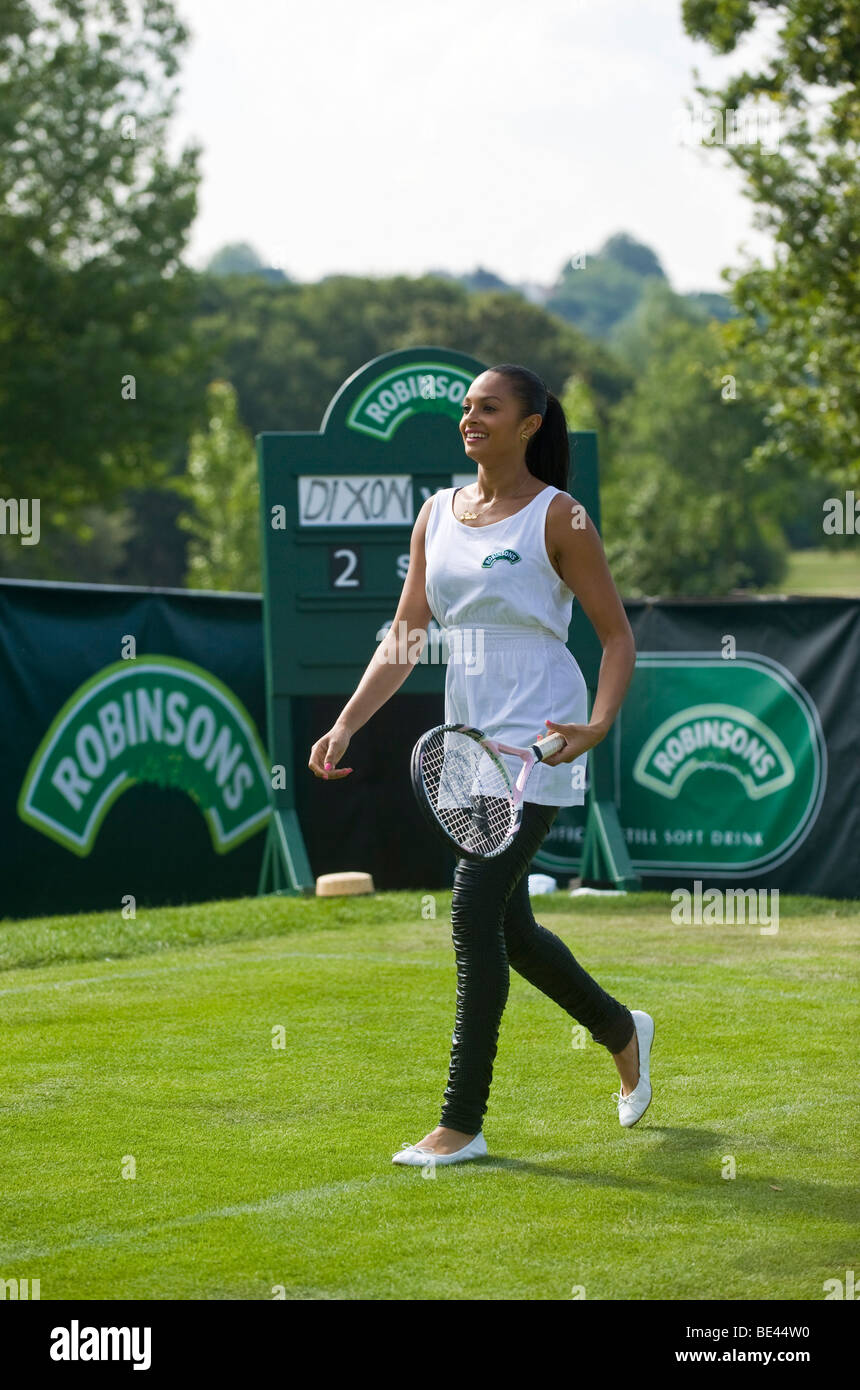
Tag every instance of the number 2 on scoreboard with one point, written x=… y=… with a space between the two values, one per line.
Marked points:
x=345 y=567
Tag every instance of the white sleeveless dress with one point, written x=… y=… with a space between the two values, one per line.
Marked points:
x=505 y=615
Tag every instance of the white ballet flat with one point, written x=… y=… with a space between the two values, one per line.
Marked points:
x=631 y=1108
x=415 y=1157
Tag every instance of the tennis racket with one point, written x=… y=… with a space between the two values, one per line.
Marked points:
x=466 y=790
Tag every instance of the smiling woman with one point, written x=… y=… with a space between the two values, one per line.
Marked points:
x=493 y=423
x=502 y=559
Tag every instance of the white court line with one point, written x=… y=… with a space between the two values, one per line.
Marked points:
x=282 y=1202
x=215 y=965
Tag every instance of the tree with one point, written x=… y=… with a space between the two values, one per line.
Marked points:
x=634 y=255
x=595 y=295
x=236 y=258
x=598 y=290
x=100 y=375
x=93 y=553
x=287 y=348
x=638 y=336
x=482 y=279
x=796 y=340
x=223 y=487
x=240 y=258
x=683 y=514
x=717 y=306
x=577 y=401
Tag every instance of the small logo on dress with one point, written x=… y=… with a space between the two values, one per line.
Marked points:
x=510 y=555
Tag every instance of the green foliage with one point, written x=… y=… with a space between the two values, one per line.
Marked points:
x=636 y=338
x=578 y=404
x=682 y=512
x=483 y=279
x=796 y=341
x=223 y=488
x=93 y=552
x=717 y=306
x=625 y=250
x=240 y=258
x=99 y=374
x=596 y=295
x=287 y=349
x=237 y=258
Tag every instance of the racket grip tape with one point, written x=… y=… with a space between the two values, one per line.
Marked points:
x=547 y=746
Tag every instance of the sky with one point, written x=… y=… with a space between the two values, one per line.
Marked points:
x=387 y=138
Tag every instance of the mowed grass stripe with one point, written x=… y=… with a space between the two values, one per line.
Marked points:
x=100 y=935
x=186 y=965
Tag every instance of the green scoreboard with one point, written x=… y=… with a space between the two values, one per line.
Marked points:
x=337 y=509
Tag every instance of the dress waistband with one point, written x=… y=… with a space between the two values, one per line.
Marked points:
x=500 y=634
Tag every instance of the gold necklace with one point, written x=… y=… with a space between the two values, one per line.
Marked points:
x=473 y=516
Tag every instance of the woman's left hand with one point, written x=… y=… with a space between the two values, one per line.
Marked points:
x=579 y=738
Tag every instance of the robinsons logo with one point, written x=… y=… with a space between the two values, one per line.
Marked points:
x=402 y=391
x=718 y=736
x=510 y=555
x=157 y=719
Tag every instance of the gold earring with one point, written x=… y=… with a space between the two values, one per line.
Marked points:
x=524 y=436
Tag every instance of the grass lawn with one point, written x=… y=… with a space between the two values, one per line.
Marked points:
x=822 y=572
x=261 y=1167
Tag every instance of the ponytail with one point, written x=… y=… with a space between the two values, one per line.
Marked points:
x=548 y=450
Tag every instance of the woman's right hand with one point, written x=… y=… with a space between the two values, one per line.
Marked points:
x=327 y=753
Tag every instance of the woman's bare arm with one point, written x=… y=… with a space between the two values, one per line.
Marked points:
x=577 y=553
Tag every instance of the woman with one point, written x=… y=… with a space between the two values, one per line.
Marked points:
x=500 y=561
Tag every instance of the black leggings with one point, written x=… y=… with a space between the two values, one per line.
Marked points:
x=493 y=925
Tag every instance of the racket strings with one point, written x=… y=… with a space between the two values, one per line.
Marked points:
x=469 y=790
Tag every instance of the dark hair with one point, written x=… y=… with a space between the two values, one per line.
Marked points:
x=548 y=450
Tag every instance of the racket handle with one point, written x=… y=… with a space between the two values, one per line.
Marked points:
x=547 y=746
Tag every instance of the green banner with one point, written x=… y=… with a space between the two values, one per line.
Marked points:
x=723 y=762
x=133 y=770
x=152 y=719
x=742 y=765
x=126 y=777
